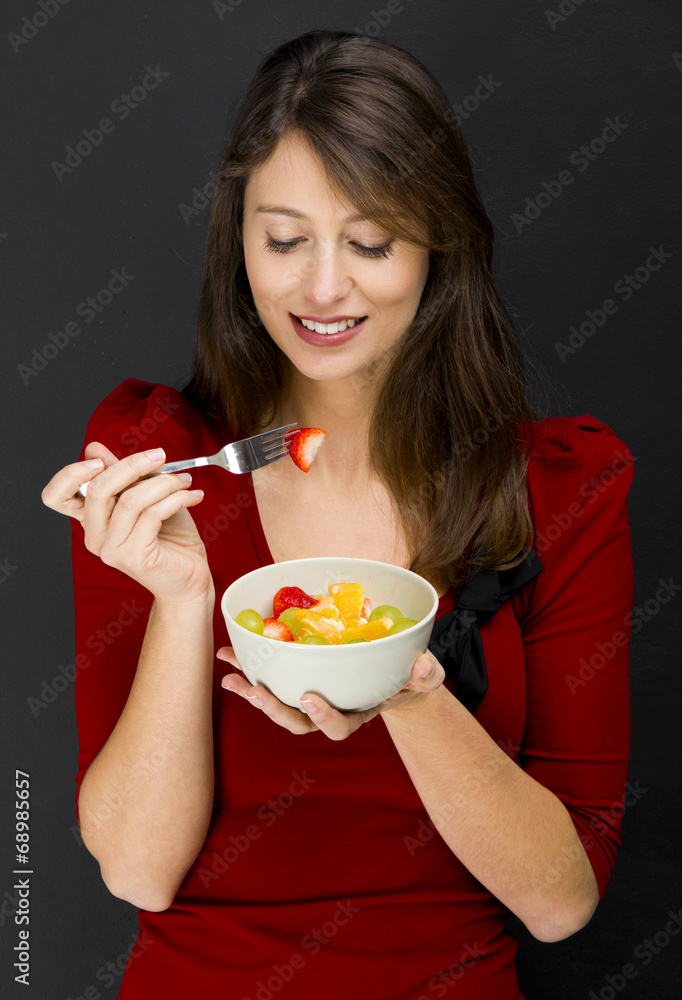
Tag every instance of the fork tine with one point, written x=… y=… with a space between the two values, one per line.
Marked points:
x=274 y=434
x=275 y=456
x=279 y=443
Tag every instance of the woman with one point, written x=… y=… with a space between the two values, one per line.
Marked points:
x=383 y=854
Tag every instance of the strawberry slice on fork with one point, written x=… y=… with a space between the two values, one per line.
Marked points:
x=304 y=446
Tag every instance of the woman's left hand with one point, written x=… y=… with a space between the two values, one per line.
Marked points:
x=316 y=713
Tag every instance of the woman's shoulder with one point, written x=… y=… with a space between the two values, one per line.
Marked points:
x=578 y=470
x=137 y=415
x=561 y=449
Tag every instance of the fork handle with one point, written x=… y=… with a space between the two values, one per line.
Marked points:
x=186 y=463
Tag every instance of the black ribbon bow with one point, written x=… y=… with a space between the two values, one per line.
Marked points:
x=455 y=640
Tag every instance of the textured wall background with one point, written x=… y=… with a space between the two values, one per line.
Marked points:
x=102 y=251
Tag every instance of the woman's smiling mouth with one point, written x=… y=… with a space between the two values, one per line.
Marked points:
x=327 y=334
x=336 y=326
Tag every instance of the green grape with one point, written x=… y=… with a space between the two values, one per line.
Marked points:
x=251 y=620
x=290 y=619
x=346 y=642
x=311 y=640
x=386 y=611
x=401 y=626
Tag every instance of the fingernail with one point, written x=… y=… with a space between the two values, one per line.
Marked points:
x=227 y=688
x=94 y=463
x=425 y=668
x=185 y=476
x=197 y=493
x=155 y=454
x=255 y=700
x=309 y=706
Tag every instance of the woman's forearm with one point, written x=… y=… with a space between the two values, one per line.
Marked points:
x=505 y=827
x=146 y=800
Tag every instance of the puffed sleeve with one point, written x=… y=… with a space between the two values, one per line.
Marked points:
x=575 y=619
x=111 y=609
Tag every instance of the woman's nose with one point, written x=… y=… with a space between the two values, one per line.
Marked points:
x=326 y=275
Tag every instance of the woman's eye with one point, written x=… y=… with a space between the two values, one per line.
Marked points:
x=283 y=246
x=280 y=246
x=381 y=251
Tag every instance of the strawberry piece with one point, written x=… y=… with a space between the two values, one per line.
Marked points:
x=291 y=597
x=304 y=446
x=277 y=630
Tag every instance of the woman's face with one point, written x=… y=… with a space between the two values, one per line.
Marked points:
x=308 y=256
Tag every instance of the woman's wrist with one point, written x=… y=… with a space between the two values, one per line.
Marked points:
x=421 y=711
x=203 y=602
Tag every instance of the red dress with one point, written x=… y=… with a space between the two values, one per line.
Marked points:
x=321 y=874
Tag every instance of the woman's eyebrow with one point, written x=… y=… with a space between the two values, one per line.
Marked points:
x=295 y=214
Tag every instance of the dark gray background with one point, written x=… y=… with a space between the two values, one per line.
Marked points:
x=120 y=208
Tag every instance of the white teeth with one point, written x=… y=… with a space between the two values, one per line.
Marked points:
x=329 y=327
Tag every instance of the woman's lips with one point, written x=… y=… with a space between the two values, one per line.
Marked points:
x=325 y=339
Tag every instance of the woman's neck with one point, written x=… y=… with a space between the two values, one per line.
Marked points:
x=343 y=410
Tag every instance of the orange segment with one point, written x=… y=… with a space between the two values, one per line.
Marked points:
x=318 y=611
x=372 y=630
x=349 y=599
x=326 y=622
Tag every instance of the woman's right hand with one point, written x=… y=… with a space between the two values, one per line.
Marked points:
x=146 y=531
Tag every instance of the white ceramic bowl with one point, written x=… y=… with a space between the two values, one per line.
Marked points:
x=350 y=677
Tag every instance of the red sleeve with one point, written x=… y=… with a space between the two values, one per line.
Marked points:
x=111 y=609
x=575 y=618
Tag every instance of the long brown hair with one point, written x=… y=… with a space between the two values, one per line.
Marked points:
x=444 y=435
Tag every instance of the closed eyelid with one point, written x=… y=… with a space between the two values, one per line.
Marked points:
x=363 y=240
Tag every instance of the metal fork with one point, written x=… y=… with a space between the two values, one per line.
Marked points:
x=240 y=456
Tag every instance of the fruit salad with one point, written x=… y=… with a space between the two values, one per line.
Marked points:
x=341 y=616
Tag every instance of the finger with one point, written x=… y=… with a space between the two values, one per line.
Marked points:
x=95 y=449
x=263 y=700
x=427 y=673
x=143 y=498
x=63 y=485
x=126 y=471
x=143 y=536
x=104 y=487
x=227 y=653
x=335 y=725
